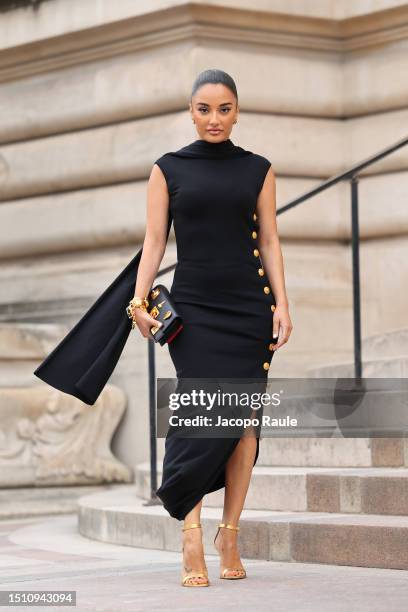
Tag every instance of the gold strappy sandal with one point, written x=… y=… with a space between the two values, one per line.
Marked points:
x=194 y=573
x=223 y=573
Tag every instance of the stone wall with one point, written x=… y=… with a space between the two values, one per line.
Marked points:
x=92 y=94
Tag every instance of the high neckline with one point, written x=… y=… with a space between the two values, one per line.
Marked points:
x=219 y=145
x=204 y=149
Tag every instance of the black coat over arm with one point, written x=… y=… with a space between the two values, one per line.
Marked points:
x=84 y=360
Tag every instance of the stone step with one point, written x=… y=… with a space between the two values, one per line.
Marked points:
x=120 y=517
x=384 y=355
x=393 y=343
x=329 y=452
x=317 y=452
x=384 y=367
x=21 y=502
x=347 y=490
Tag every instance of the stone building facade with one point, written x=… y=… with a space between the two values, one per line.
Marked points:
x=91 y=93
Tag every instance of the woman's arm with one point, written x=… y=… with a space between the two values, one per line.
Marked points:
x=272 y=259
x=154 y=244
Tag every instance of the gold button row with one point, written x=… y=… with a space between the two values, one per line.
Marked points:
x=261 y=272
x=266 y=289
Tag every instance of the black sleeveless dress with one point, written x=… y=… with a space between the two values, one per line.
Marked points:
x=221 y=291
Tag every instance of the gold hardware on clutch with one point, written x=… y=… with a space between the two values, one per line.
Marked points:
x=161 y=304
x=154 y=312
x=168 y=314
x=154 y=293
x=154 y=330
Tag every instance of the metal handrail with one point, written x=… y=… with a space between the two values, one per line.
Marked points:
x=352 y=175
x=352 y=171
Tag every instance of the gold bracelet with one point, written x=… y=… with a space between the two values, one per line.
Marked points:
x=136 y=303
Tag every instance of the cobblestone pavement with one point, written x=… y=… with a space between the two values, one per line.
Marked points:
x=48 y=553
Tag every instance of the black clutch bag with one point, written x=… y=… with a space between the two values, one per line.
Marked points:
x=163 y=309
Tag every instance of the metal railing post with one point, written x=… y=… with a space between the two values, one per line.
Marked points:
x=152 y=424
x=355 y=245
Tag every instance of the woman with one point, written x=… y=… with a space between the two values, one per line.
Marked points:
x=222 y=199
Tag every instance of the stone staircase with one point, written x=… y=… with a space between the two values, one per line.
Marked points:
x=341 y=501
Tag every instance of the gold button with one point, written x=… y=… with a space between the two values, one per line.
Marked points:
x=261 y=272
x=271 y=347
x=256 y=252
x=266 y=289
x=266 y=366
x=254 y=217
x=273 y=307
x=254 y=234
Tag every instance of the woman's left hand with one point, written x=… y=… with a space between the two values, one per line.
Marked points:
x=282 y=325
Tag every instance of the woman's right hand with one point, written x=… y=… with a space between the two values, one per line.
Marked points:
x=144 y=321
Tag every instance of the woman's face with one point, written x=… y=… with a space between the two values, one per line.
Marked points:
x=214 y=110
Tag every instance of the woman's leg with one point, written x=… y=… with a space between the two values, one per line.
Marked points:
x=237 y=479
x=193 y=554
